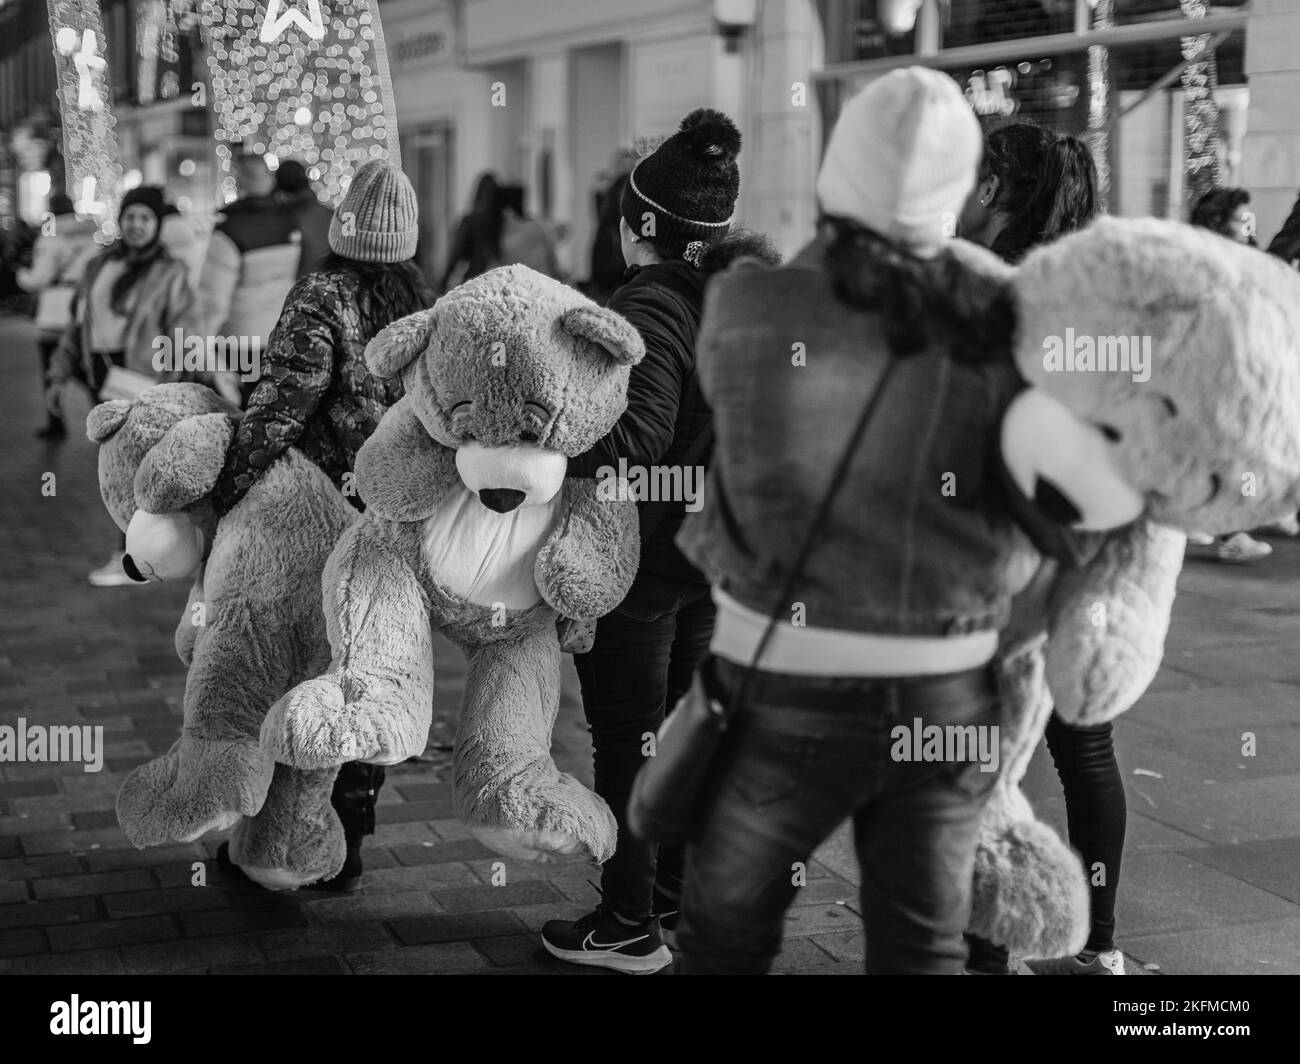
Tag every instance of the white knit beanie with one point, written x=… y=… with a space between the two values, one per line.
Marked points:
x=903 y=158
x=378 y=220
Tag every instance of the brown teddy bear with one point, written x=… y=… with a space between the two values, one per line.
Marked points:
x=473 y=529
x=252 y=628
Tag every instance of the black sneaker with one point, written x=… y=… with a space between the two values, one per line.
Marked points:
x=602 y=940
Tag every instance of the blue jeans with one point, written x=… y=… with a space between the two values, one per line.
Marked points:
x=802 y=755
x=639 y=666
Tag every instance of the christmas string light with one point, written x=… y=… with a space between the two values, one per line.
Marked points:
x=85 y=99
x=310 y=83
x=1202 y=164
x=1099 y=100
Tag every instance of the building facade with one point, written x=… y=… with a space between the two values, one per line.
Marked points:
x=544 y=92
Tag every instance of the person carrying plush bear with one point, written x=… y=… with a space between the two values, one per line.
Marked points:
x=316 y=394
x=676 y=231
x=1034 y=187
x=894 y=616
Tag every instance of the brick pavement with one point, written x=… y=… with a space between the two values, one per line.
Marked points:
x=1210 y=872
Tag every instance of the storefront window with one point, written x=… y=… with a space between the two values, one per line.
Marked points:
x=968 y=22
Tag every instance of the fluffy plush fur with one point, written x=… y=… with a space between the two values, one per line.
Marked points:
x=506 y=377
x=259 y=631
x=1222 y=402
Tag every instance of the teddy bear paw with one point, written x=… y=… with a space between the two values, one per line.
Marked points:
x=541 y=846
x=199 y=786
x=309 y=727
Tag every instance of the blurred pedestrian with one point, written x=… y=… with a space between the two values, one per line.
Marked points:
x=316 y=394
x=66 y=244
x=526 y=241
x=607 y=265
x=295 y=198
x=476 y=247
x=259 y=248
x=1035 y=187
x=646 y=651
x=129 y=296
x=1286 y=245
x=1227 y=212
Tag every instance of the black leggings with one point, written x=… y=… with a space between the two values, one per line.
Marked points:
x=1096 y=811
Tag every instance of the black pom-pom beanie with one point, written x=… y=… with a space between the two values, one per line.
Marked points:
x=682 y=197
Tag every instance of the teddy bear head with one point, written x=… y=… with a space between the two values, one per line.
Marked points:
x=1183 y=349
x=514 y=371
x=159 y=457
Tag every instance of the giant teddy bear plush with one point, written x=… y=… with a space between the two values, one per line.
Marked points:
x=1203 y=437
x=252 y=628
x=473 y=529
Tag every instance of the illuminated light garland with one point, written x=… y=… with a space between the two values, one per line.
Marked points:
x=1099 y=100
x=89 y=128
x=270 y=71
x=1202 y=164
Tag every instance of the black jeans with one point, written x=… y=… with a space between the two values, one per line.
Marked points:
x=801 y=755
x=640 y=664
x=1096 y=811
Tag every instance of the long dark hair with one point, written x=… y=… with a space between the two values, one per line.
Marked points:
x=1047 y=185
x=395 y=289
x=923 y=301
x=1214 y=209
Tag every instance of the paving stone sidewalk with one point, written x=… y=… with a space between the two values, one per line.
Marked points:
x=1210 y=874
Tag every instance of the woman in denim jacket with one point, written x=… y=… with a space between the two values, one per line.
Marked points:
x=893 y=621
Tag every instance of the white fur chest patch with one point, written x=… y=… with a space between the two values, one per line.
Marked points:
x=487 y=557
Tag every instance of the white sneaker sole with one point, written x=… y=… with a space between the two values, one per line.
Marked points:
x=619 y=962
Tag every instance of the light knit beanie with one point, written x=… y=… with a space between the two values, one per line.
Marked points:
x=903 y=158
x=378 y=218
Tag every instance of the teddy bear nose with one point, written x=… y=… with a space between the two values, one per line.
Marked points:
x=502 y=500
x=130 y=569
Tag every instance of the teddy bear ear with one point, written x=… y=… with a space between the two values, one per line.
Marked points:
x=399 y=344
x=606 y=329
x=183 y=466
x=106 y=418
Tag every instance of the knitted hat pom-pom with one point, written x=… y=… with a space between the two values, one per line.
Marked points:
x=711 y=135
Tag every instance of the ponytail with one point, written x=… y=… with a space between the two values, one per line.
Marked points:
x=1047 y=186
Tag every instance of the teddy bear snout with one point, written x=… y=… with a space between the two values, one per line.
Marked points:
x=502 y=500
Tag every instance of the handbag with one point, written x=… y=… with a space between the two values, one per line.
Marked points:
x=666 y=790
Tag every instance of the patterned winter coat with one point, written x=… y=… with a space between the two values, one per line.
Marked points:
x=314 y=392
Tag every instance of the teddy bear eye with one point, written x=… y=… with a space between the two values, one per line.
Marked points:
x=537 y=413
x=1110 y=432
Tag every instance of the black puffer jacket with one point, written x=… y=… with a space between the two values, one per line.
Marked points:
x=666 y=411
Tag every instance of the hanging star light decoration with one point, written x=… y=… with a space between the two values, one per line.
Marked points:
x=275 y=23
x=89 y=128
x=313 y=86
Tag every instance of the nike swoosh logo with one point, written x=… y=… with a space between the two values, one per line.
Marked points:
x=590 y=942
